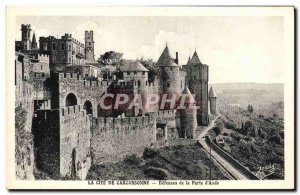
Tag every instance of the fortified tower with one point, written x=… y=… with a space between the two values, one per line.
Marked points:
x=213 y=101
x=188 y=112
x=169 y=75
x=197 y=80
x=26 y=43
x=89 y=46
x=136 y=73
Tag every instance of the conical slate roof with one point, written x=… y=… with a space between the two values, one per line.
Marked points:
x=195 y=59
x=188 y=60
x=33 y=39
x=165 y=58
x=212 y=93
x=187 y=95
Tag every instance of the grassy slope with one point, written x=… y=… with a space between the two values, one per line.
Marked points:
x=178 y=162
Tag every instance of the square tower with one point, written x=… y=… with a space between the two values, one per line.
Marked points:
x=89 y=46
x=26 y=43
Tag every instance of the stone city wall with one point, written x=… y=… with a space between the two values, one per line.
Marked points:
x=113 y=139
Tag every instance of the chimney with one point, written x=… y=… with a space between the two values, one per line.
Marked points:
x=176 y=59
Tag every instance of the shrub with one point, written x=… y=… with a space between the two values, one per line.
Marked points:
x=179 y=146
x=150 y=153
x=156 y=173
x=133 y=160
x=236 y=136
x=220 y=124
x=275 y=139
x=230 y=125
x=154 y=163
x=217 y=130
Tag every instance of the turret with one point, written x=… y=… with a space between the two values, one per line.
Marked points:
x=212 y=95
x=26 y=43
x=188 y=60
x=33 y=43
x=89 y=46
x=169 y=75
x=188 y=112
x=136 y=73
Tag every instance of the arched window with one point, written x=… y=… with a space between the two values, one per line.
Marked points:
x=71 y=100
x=88 y=107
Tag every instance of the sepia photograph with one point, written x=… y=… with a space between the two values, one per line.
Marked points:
x=150 y=98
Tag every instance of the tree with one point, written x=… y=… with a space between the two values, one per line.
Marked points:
x=250 y=108
x=150 y=65
x=217 y=130
x=111 y=57
x=250 y=129
x=230 y=125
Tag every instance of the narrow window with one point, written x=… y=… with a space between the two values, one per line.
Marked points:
x=128 y=73
x=63 y=46
x=54 y=46
x=168 y=84
x=45 y=46
x=139 y=83
x=135 y=72
x=143 y=73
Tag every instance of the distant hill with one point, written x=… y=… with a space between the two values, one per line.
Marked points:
x=264 y=97
x=276 y=88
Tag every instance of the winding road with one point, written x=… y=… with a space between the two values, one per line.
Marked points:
x=220 y=161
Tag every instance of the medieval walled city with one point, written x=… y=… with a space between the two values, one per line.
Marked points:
x=74 y=111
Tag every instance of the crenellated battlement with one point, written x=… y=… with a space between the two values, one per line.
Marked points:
x=114 y=122
x=42 y=55
x=163 y=113
x=62 y=77
x=124 y=85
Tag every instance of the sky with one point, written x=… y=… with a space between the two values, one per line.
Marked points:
x=236 y=49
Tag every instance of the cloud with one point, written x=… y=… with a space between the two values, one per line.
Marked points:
x=176 y=43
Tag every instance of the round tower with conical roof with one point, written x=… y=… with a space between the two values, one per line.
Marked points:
x=188 y=115
x=212 y=95
x=169 y=75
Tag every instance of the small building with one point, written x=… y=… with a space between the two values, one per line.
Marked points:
x=220 y=140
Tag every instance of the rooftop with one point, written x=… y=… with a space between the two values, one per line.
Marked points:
x=195 y=59
x=212 y=93
x=133 y=66
x=165 y=58
x=188 y=94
